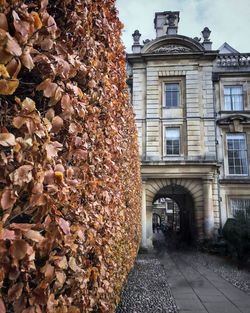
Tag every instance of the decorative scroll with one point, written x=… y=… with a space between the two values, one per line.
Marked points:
x=172 y=49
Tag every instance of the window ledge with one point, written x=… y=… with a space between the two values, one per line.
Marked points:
x=235 y=180
x=173 y=107
x=234 y=112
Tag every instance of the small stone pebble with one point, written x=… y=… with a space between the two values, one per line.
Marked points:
x=147 y=289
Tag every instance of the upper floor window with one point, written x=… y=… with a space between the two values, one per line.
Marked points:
x=233 y=98
x=240 y=206
x=237 y=154
x=172 y=95
x=173 y=141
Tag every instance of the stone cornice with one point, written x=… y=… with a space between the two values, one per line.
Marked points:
x=143 y=58
x=193 y=170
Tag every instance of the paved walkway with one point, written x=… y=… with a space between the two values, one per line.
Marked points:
x=197 y=289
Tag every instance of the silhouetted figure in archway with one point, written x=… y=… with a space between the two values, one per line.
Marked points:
x=158 y=228
x=154 y=227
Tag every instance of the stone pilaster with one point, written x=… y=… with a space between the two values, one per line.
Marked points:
x=208 y=207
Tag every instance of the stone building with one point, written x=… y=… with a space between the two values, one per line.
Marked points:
x=192 y=106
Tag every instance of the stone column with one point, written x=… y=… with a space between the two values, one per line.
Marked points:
x=144 y=216
x=208 y=207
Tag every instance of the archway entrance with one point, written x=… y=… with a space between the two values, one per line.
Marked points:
x=175 y=205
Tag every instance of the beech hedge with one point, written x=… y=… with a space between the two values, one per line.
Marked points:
x=69 y=168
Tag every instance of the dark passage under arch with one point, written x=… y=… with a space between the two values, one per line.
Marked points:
x=186 y=228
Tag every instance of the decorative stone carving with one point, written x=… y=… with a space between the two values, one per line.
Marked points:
x=206 y=34
x=136 y=36
x=146 y=41
x=197 y=39
x=171 y=19
x=234 y=122
x=172 y=49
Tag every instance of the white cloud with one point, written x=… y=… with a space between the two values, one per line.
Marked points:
x=227 y=19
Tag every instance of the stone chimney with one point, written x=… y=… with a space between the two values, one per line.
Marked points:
x=136 y=47
x=207 y=44
x=166 y=23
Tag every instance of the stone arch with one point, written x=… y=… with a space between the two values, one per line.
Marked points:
x=182 y=43
x=192 y=186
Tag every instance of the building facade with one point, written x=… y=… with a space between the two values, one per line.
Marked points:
x=192 y=107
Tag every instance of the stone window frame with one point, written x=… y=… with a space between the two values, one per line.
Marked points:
x=180 y=80
x=226 y=165
x=182 y=141
x=237 y=82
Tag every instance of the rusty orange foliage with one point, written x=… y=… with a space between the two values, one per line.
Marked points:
x=69 y=169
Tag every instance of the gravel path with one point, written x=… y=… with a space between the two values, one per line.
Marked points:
x=225 y=268
x=147 y=290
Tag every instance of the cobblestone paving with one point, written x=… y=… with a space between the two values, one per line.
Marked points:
x=147 y=290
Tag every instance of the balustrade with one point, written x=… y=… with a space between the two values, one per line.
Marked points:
x=233 y=60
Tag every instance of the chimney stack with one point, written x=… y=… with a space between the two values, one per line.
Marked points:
x=166 y=23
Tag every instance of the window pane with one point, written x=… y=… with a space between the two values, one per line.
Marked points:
x=227 y=104
x=237 y=103
x=172 y=95
x=174 y=98
x=237 y=154
x=227 y=90
x=173 y=133
x=233 y=98
x=173 y=141
x=172 y=87
x=236 y=90
x=240 y=206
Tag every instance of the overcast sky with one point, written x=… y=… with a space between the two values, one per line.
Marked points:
x=228 y=20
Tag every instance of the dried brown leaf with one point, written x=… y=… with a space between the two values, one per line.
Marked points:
x=3 y=71
x=14 y=67
x=28 y=105
x=6 y=234
x=7 y=139
x=4 y=22
x=52 y=149
x=34 y=235
x=22 y=175
x=15 y=291
x=8 y=198
x=64 y=225
x=8 y=86
x=57 y=124
x=13 y=47
x=27 y=60
x=18 y=249
x=2 y=306
x=73 y=265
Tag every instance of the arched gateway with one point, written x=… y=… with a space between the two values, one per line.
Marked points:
x=182 y=219
x=194 y=200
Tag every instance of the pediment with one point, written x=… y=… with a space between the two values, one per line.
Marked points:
x=234 y=122
x=233 y=118
x=172 y=44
